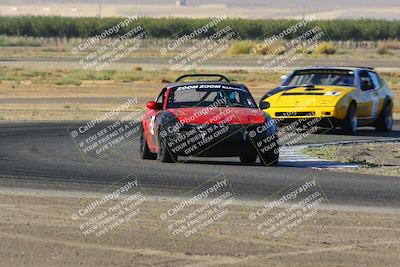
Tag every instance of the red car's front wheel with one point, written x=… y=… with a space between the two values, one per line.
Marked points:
x=165 y=154
x=145 y=152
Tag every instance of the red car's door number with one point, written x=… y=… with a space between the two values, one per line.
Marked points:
x=152 y=124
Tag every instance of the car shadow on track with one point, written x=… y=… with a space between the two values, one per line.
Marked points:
x=220 y=162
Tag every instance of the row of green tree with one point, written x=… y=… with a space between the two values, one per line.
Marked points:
x=36 y=26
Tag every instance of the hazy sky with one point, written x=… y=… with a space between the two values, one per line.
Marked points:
x=265 y=3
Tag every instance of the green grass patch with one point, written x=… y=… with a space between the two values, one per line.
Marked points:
x=76 y=76
x=105 y=75
x=70 y=79
x=326 y=152
x=365 y=164
x=19 y=41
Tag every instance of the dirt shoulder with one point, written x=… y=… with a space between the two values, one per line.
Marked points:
x=378 y=158
x=37 y=230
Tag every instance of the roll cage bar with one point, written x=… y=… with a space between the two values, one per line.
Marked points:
x=220 y=76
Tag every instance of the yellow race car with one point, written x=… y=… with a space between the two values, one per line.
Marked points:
x=346 y=97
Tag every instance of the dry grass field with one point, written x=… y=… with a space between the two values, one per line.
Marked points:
x=44 y=94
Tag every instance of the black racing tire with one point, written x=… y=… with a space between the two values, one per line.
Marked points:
x=248 y=158
x=166 y=154
x=384 y=123
x=349 y=124
x=145 y=152
x=271 y=156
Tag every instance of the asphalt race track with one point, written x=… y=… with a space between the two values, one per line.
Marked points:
x=43 y=156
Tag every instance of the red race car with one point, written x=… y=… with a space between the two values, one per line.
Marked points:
x=212 y=118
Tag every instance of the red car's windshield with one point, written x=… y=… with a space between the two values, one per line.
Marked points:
x=200 y=95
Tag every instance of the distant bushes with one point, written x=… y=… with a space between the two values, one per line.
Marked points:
x=241 y=47
x=384 y=46
x=327 y=48
x=390 y=44
x=250 y=47
x=171 y=28
x=382 y=50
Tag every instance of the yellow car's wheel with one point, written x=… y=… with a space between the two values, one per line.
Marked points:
x=349 y=124
x=385 y=120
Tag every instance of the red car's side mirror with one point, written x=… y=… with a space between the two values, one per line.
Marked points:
x=151 y=105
